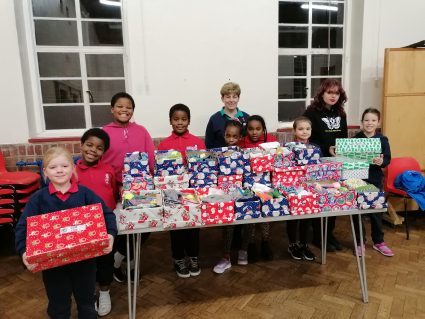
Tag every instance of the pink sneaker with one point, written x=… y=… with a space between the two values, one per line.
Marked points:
x=383 y=249
x=360 y=250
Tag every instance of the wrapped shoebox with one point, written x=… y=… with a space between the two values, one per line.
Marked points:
x=182 y=208
x=229 y=182
x=260 y=160
x=324 y=171
x=332 y=199
x=303 y=202
x=371 y=200
x=351 y=168
x=247 y=208
x=304 y=153
x=232 y=160
x=359 y=148
x=284 y=157
x=141 y=198
x=262 y=178
x=136 y=164
x=67 y=236
x=273 y=203
x=368 y=195
x=173 y=181
x=142 y=210
x=294 y=175
x=168 y=163
x=201 y=179
x=131 y=183
x=217 y=207
x=275 y=207
x=202 y=161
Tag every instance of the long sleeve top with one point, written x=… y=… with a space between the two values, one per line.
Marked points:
x=214 y=134
x=327 y=126
x=125 y=139
x=376 y=176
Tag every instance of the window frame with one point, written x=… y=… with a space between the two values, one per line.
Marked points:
x=309 y=51
x=35 y=104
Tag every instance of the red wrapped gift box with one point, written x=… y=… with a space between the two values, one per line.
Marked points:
x=218 y=213
x=263 y=163
x=289 y=176
x=66 y=236
x=303 y=204
x=228 y=182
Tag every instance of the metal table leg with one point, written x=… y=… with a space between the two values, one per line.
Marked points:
x=324 y=236
x=361 y=264
x=136 y=272
x=130 y=314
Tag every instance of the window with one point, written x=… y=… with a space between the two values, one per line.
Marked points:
x=311 y=47
x=79 y=60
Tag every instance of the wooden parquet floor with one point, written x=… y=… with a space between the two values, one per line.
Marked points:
x=282 y=288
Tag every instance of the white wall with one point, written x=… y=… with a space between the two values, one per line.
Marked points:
x=386 y=24
x=13 y=116
x=184 y=51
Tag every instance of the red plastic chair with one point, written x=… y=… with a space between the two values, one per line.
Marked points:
x=16 y=178
x=397 y=166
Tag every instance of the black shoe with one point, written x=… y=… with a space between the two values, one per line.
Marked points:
x=306 y=252
x=119 y=276
x=295 y=252
x=266 y=250
x=194 y=269
x=329 y=246
x=181 y=269
x=252 y=253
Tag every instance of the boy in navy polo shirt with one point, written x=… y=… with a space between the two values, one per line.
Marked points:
x=230 y=94
x=100 y=178
x=185 y=242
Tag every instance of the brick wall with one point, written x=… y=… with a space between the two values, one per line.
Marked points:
x=30 y=152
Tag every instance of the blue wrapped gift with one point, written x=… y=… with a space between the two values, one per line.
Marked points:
x=304 y=154
x=201 y=179
x=136 y=164
x=371 y=200
x=232 y=161
x=202 y=161
x=261 y=178
x=247 y=208
x=275 y=207
x=168 y=163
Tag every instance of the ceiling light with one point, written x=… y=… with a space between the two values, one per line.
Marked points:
x=319 y=7
x=111 y=2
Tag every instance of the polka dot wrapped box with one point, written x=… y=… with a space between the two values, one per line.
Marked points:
x=67 y=236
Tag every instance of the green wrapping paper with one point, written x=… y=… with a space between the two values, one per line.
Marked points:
x=359 y=148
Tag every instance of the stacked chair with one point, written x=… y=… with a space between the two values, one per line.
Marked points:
x=15 y=190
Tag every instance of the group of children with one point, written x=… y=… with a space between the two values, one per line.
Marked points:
x=97 y=177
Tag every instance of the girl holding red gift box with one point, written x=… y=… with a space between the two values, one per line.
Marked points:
x=328 y=122
x=77 y=279
x=300 y=250
x=256 y=134
x=370 y=122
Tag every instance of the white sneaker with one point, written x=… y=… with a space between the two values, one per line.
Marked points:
x=242 y=257
x=104 y=303
x=222 y=265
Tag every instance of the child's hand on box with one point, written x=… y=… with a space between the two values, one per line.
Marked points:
x=332 y=150
x=378 y=160
x=26 y=263
x=108 y=249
